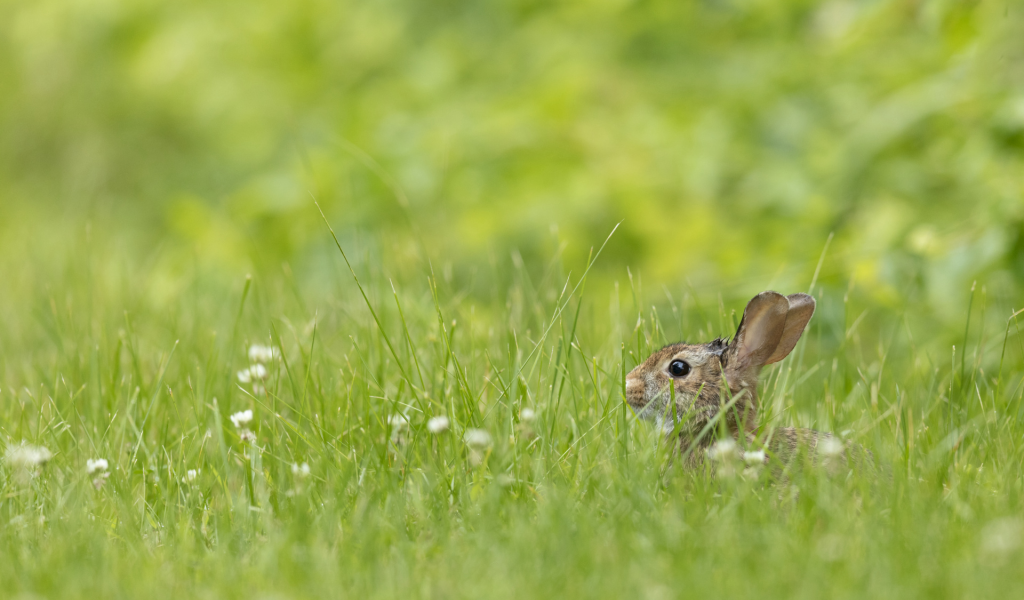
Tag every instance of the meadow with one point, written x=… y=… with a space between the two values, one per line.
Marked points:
x=337 y=299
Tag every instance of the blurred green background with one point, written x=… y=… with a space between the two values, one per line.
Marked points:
x=729 y=137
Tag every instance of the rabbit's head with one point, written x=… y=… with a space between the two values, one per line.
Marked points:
x=699 y=373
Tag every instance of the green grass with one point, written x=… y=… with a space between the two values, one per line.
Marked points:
x=105 y=362
x=472 y=157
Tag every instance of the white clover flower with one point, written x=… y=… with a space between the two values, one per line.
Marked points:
x=830 y=447
x=242 y=418
x=724 y=450
x=300 y=471
x=258 y=371
x=263 y=354
x=98 y=467
x=477 y=438
x=398 y=425
x=478 y=441
x=26 y=456
x=438 y=425
x=754 y=458
x=252 y=373
x=247 y=436
x=191 y=475
x=527 y=415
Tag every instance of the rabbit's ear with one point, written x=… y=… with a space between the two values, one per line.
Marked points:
x=801 y=307
x=759 y=334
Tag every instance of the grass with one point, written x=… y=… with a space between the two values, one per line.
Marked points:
x=100 y=360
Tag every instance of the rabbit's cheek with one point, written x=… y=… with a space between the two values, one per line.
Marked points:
x=661 y=406
x=684 y=396
x=653 y=409
x=653 y=398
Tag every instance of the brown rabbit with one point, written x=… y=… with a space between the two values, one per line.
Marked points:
x=694 y=375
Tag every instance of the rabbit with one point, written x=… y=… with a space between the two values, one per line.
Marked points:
x=769 y=330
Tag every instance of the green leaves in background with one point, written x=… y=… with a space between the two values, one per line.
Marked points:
x=728 y=137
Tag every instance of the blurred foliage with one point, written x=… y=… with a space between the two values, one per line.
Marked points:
x=730 y=137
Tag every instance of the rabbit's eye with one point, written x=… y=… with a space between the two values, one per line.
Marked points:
x=679 y=368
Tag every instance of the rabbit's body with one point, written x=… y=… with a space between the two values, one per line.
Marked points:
x=788 y=447
x=714 y=388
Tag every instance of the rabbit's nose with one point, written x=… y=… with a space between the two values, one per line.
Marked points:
x=634 y=386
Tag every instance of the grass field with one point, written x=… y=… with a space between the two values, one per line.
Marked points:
x=577 y=498
x=202 y=396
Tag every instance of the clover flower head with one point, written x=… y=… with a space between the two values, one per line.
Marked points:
x=477 y=439
x=98 y=467
x=263 y=354
x=754 y=458
x=242 y=418
x=26 y=457
x=724 y=450
x=830 y=447
x=438 y=425
x=252 y=373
